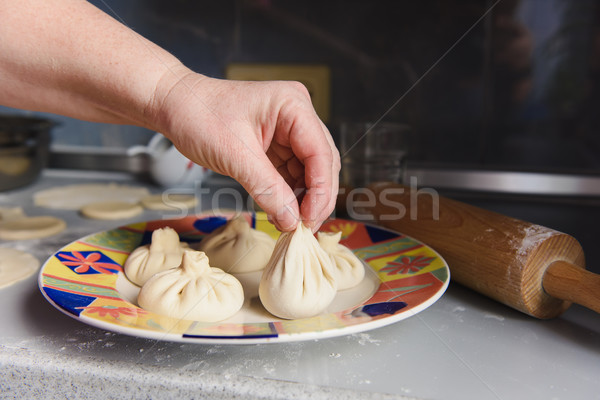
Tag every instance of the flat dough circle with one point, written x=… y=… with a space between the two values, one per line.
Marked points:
x=31 y=227
x=111 y=210
x=16 y=265
x=73 y=197
x=169 y=202
x=7 y=213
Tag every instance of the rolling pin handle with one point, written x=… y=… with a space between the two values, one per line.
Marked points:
x=568 y=282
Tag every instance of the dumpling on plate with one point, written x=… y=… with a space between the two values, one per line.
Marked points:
x=193 y=291
x=350 y=270
x=235 y=247
x=164 y=252
x=300 y=279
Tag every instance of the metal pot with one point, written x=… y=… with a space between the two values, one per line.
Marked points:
x=24 y=148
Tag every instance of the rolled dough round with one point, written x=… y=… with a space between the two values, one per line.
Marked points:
x=73 y=197
x=111 y=210
x=169 y=202
x=11 y=213
x=16 y=265
x=31 y=227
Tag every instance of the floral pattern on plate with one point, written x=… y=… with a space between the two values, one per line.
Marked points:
x=85 y=280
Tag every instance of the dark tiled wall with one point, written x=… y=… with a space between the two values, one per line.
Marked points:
x=509 y=83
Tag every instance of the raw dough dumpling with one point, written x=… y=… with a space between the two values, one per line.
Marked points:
x=164 y=252
x=193 y=291
x=350 y=270
x=235 y=247
x=300 y=279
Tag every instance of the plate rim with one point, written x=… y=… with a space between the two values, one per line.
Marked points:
x=277 y=337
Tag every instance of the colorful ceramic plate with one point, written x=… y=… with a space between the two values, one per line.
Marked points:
x=85 y=280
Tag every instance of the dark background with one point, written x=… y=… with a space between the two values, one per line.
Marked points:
x=484 y=84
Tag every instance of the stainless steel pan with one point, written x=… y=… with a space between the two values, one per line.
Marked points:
x=24 y=147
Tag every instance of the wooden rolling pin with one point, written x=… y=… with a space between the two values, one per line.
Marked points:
x=531 y=268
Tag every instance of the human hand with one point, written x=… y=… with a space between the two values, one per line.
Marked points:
x=266 y=135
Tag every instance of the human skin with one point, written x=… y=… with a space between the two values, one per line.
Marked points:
x=68 y=57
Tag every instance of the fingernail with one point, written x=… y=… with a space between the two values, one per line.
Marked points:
x=287 y=219
x=315 y=228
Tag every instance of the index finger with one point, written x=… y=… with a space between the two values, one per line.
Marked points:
x=313 y=146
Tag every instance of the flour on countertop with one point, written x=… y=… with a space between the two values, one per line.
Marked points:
x=364 y=338
x=493 y=316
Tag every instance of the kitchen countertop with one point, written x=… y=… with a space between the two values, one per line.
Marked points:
x=463 y=346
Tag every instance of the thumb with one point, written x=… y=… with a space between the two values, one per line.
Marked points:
x=271 y=192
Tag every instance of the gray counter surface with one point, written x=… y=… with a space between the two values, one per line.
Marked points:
x=465 y=346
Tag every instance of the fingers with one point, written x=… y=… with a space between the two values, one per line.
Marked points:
x=271 y=192
x=305 y=154
x=311 y=164
x=281 y=145
x=335 y=177
x=288 y=166
x=316 y=150
x=321 y=193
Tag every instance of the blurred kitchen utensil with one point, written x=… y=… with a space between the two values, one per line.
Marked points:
x=168 y=167
x=24 y=147
x=372 y=152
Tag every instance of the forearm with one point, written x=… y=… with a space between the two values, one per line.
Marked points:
x=68 y=57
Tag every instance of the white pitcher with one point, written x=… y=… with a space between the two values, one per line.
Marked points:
x=168 y=167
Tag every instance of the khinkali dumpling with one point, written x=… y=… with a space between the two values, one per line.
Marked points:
x=164 y=252
x=300 y=279
x=350 y=270
x=193 y=291
x=235 y=247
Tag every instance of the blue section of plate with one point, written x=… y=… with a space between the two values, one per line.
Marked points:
x=209 y=224
x=379 y=235
x=397 y=267
x=71 y=302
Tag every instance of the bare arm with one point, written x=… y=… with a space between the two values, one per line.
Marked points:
x=67 y=57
